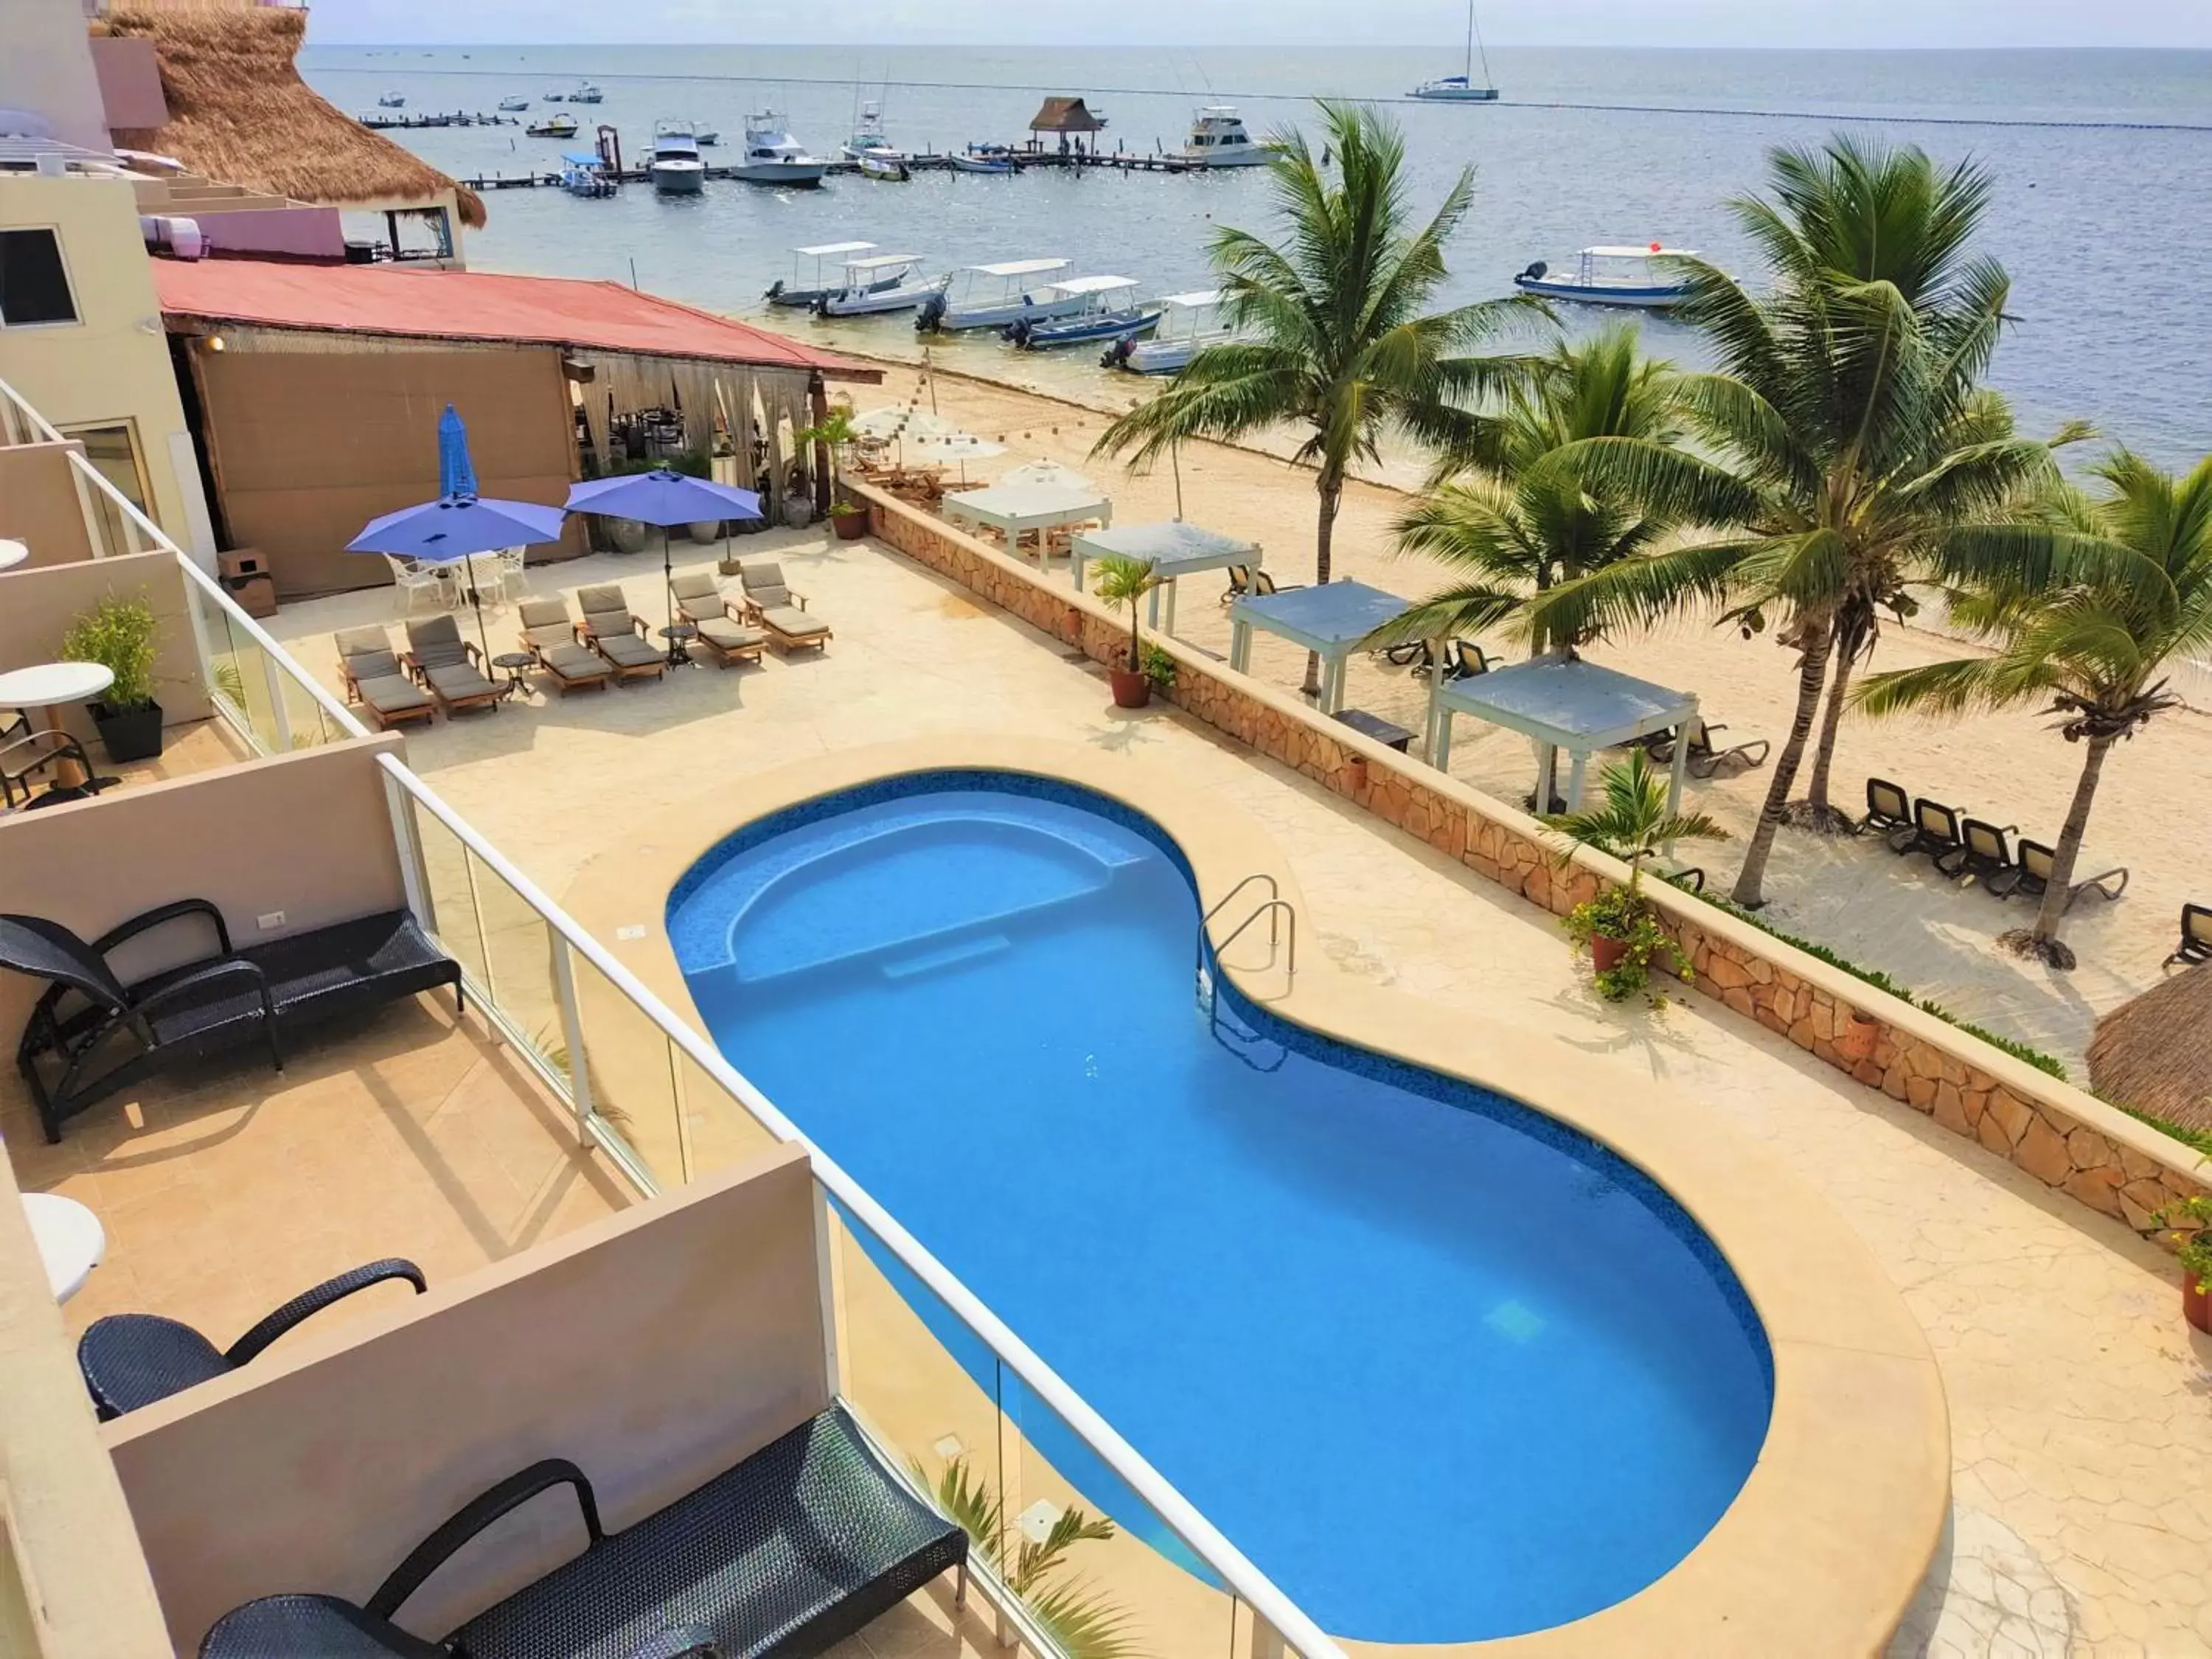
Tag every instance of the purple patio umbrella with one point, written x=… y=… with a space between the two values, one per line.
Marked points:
x=664 y=496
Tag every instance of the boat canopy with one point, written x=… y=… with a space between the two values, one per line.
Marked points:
x=1196 y=301
x=1095 y=284
x=1647 y=251
x=882 y=260
x=1020 y=267
x=824 y=250
x=582 y=158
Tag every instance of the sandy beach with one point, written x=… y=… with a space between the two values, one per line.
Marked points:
x=1928 y=934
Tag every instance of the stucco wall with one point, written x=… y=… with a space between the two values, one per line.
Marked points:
x=41 y=601
x=46 y=68
x=40 y=506
x=2062 y=1135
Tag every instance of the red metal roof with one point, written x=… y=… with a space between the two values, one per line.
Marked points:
x=472 y=305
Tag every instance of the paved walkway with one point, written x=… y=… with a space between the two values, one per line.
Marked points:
x=2081 y=1408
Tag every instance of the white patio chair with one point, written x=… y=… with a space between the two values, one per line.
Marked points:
x=513 y=584
x=415 y=581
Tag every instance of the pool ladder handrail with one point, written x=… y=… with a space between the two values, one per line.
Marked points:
x=1275 y=902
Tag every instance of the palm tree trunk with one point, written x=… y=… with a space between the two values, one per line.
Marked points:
x=1331 y=493
x=1812 y=674
x=2043 y=940
x=1819 y=814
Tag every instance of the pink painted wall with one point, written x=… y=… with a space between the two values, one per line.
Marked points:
x=130 y=82
x=303 y=232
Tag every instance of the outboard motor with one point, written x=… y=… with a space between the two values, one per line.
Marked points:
x=930 y=315
x=1018 y=332
x=1535 y=273
x=1117 y=354
x=775 y=289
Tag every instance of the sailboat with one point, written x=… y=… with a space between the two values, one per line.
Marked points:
x=1462 y=88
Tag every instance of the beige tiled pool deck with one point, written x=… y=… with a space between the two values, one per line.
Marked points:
x=2081 y=1409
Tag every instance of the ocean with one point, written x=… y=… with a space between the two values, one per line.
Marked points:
x=2102 y=159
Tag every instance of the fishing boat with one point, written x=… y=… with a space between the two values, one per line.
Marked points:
x=773 y=156
x=586 y=175
x=869 y=137
x=887 y=169
x=982 y=158
x=1463 y=87
x=707 y=136
x=815 y=272
x=994 y=295
x=1218 y=139
x=554 y=97
x=1109 y=309
x=391 y=100
x=1611 y=276
x=676 y=168
x=587 y=93
x=553 y=126
x=1188 y=323
x=885 y=282
x=511 y=104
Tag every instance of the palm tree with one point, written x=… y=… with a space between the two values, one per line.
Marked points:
x=1849 y=438
x=1516 y=518
x=1336 y=336
x=2084 y=619
x=1635 y=820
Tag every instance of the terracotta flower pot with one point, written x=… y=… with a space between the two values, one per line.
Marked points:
x=1607 y=954
x=850 y=526
x=1853 y=1039
x=2196 y=1306
x=1131 y=689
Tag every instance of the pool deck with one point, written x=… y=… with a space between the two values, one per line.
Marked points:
x=2080 y=1432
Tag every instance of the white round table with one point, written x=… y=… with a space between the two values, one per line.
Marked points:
x=71 y=1241
x=12 y=554
x=52 y=686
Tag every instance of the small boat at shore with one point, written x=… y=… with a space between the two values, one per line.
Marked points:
x=511 y=104
x=996 y=296
x=553 y=126
x=886 y=169
x=1463 y=87
x=1110 y=310
x=816 y=273
x=982 y=158
x=1188 y=323
x=885 y=282
x=1619 y=276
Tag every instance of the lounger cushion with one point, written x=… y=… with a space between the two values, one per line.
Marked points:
x=790 y=622
x=356 y=642
x=457 y=682
x=696 y=587
x=391 y=694
x=602 y=596
x=571 y=661
x=366 y=666
x=627 y=649
x=725 y=635
x=436 y=640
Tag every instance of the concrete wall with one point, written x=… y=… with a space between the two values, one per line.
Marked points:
x=46 y=68
x=37 y=602
x=2062 y=1135
x=307 y=834
x=111 y=365
x=654 y=1349
x=129 y=77
x=39 y=505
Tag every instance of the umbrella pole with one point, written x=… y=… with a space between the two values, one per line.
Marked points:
x=677 y=654
x=476 y=603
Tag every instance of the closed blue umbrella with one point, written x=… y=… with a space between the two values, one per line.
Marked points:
x=457 y=475
x=664 y=496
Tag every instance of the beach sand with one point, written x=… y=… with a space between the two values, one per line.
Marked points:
x=1929 y=934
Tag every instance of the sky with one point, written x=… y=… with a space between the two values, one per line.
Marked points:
x=1815 y=23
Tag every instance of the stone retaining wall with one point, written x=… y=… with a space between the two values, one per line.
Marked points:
x=2063 y=1136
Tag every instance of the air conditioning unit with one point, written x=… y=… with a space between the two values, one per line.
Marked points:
x=182 y=237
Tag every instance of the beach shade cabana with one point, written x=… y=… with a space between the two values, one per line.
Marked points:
x=1171 y=549
x=458 y=524
x=2154 y=1051
x=1333 y=620
x=1562 y=703
x=1026 y=499
x=666 y=497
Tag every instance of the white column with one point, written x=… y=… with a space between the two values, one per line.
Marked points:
x=1580 y=761
x=1547 y=760
x=1240 y=645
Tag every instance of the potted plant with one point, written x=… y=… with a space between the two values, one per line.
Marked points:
x=2194 y=1241
x=1159 y=668
x=1855 y=1035
x=120 y=635
x=1619 y=926
x=836 y=431
x=1122 y=581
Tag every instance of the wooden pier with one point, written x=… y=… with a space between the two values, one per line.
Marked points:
x=924 y=162
x=380 y=123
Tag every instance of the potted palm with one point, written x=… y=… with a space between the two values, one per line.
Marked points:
x=835 y=432
x=1122 y=581
x=1619 y=926
x=2194 y=1241
x=120 y=635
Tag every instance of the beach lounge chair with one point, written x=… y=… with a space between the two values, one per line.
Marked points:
x=548 y=635
x=449 y=667
x=2196 y=936
x=1706 y=757
x=2034 y=879
x=130 y=1360
x=788 y=1551
x=783 y=613
x=1983 y=855
x=1889 y=809
x=1934 y=830
x=610 y=629
x=699 y=601
x=1468 y=659
x=1245 y=578
x=375 y=679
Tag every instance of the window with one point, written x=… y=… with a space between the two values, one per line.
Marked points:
x=34 y=286
x=113 y=453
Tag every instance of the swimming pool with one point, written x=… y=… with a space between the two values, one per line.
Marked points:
x=1441 y=1366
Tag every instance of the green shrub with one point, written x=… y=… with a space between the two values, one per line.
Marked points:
x=120 y=636
x=1160 y=667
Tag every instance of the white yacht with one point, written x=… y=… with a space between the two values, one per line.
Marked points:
x=1463 y=87
x=1188 y=323
x=676 y=168
x=587 y=93
x=884 y=281
x=869 y=137
x=1218 y=139
x=996 y=295
x=773 y=156
x=707 y=135
x=510 y=105
x=1611 y=277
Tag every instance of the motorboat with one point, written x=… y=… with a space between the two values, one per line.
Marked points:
x=868 y=135
x=676 y=168
x=995 y=295
x=555 y=96
x=884 y=283
x=509 y=105
x=773 y=156
x=708 y=136
x=587 y=93
x=1611 y=277
x=1463 y=87
x=586 y=174
x=1218 y=139
x=982 y=158
x=1110 y=310
x=889 y=167
x=817 y=272
x=1188 y=323
x=391 y=100
x=553 y=126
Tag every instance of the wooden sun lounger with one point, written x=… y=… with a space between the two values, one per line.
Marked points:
x=548 y=635
x=700 y=601
x=375 y=679
x=772 y=604
x=610 y=629
x=450 y=667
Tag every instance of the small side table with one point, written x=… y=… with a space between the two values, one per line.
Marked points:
x=679 y=636
x=12 y=554
x=514 y=665
x=71 y=1239
x=52 y=686
x=1386 y=733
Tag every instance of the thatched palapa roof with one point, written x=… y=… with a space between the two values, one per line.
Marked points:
x=2154 y=1052
x=239 y=113
x=1065 y=115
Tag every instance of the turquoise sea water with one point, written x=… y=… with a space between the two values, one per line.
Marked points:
x=2103 y=161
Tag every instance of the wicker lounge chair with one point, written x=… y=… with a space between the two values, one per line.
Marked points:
x=2196 y=937
x=699 y=601
x=1889 y=809
x=2036 y=862
x=130 y=1360
x=90 y=1034
x=1706 y=757
x=375 y=679
x=610 y=629
x=548 y=635
x=451 y=667
x=768 y=602
x=1934 y=830
x=801 y=1545
x=1983 y=855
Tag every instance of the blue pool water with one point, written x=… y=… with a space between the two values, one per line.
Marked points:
x=1443 y=1369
